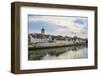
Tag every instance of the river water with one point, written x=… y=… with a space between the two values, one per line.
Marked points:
x=73 y=52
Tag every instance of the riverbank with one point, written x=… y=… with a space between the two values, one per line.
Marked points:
x=47 y=47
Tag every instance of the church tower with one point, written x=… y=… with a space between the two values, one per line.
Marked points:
x=42 y=31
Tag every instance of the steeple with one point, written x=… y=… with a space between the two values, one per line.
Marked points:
x=43 y=31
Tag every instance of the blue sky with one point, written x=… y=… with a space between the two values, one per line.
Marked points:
x=59 y=25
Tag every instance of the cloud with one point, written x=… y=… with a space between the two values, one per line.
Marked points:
x=67 y=25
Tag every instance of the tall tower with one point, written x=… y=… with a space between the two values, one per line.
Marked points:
x=42 y=31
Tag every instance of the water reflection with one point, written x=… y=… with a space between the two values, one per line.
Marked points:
x=74 y=52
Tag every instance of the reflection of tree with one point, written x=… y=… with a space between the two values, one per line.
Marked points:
x=56 y=52
x=36 y=55
x=74 y=49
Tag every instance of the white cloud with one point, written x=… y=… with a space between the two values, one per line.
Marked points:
x=67 y=24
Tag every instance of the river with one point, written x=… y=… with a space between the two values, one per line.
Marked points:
x=73 y=52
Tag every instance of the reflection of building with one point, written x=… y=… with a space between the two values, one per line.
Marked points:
x=42 y=37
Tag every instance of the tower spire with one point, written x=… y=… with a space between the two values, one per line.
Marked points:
x=42 y=31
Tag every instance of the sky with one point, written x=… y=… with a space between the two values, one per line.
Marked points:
x=59 y=25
